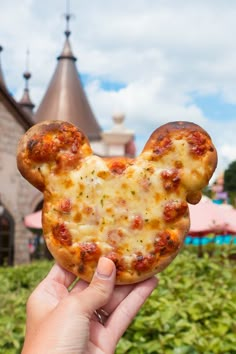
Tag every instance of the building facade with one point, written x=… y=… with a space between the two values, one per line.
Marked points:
x=16 y=195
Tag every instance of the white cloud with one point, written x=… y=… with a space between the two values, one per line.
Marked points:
x=144 y=102
x=162 y=50
x=228 y=152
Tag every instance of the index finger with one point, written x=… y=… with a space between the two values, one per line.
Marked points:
x=60 y=275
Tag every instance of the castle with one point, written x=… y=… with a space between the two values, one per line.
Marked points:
x=64 y=99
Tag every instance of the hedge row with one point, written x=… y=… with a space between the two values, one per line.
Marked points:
x=193 y=309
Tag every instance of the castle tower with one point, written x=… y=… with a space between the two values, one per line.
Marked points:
x=65 y=98
x=25 y=102
x=2 y=81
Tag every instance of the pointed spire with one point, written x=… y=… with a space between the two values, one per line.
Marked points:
x=67 y=51
x=68 y=16
x=2 y=81
x=65 y=98
x=25 y=101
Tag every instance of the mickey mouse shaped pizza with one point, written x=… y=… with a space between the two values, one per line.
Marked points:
x=131 y=210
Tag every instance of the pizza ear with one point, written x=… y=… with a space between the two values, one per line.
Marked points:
x=188 y=149
x=50 y=146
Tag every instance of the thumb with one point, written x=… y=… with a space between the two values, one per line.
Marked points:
x=98 y=293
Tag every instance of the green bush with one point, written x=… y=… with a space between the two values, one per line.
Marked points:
x=193 y=309
x=16 y=285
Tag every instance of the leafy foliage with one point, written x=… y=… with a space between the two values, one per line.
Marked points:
x=193 y=309
x=230 y=178
x=230 y=182
x=16 y=285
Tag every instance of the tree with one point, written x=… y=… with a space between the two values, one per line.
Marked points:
x=230 y=182
x=230 y=178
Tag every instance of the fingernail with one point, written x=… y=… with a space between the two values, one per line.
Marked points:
x=105 y=268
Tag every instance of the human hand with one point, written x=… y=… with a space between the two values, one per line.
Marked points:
x=62 y=321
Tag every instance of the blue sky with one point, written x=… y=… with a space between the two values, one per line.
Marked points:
x=153 y=60
x=215 y=108
x=106 y=85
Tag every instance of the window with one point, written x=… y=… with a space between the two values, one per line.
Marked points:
x=6 y=237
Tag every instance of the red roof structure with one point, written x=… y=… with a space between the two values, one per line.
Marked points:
x=207 y=217
x=34 y=220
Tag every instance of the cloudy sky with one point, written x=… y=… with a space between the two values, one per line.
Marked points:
x=154 y=60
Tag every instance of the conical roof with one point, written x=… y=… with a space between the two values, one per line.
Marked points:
x=65 y=98
x=25 y=100
x=2 y=81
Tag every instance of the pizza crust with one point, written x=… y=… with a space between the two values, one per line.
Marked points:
x=133 y=211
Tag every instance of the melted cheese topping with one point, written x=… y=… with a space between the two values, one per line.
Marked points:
x=132 y=211
x=119 y=212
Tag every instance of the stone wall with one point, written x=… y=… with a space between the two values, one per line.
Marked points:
x=16 y=193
